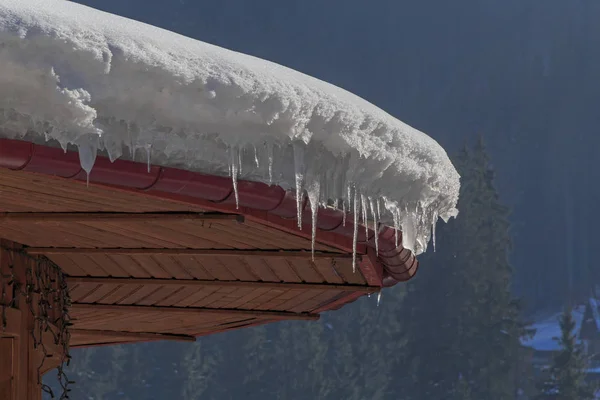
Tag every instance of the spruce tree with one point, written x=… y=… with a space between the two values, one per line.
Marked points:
x=464 y=319
x=566 y=377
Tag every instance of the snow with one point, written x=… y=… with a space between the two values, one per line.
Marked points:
x=548 y=330
x=77 y=76
x=595 y=312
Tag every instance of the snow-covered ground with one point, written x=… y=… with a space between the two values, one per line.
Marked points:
x=547 y=331
x=75 y=75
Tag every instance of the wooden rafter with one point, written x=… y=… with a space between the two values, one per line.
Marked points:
x=186 y=252
x=203 y=283
x=134 y=335
x=114 y=216
x=278 y=315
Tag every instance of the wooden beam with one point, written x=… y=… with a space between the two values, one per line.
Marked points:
x=203 y=283
x=136 y=335
x=114 y=216
x=13 y=323
x=279 y=315
x=186 y=252
x=115 y=343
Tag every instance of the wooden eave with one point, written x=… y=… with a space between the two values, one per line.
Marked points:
x=166 y=255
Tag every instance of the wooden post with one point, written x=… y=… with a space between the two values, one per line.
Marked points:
x=20 y=360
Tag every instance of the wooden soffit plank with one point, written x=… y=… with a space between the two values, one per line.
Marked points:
x=71 y=280
x=137 y=309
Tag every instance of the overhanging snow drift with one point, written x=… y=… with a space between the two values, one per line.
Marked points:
x=80 y=76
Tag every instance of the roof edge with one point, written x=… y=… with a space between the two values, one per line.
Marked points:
x=268 y=205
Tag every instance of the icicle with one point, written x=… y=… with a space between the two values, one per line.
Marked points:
x=88 y=150
x=378 y=298
x=234 y=174
x=270 y=157
x=409 y=234
x=256 y=157
x=355 y=237
x=131 y=146
x=349 y=196
x=314 y=192
x=148 y=150
x=299 y=175
x=365 y=214
x=343 y=212
x=396 y=216
x=239 y=156
x=435 y=218
x=375 y=214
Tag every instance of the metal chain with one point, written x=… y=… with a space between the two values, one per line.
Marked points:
x=46 y=281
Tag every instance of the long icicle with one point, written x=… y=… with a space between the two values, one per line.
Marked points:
x=148 y=154
x=270 y=157
x=299 y=175
x=349 y=196
x=433 y=223
x=355 y=236
x=396 y=223
x=375 y=214
x=234 y=174
x=314 y=193
x=365 y=214
x=256 y=162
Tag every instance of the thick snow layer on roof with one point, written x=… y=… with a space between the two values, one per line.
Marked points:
x=80 y=76
x=548 y=331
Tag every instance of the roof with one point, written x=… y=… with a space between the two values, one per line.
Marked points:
x=84 y=77
x=595 y=312
x=547 y=331
x=167 y=252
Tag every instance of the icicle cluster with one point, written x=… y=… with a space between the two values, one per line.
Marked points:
x=341 y=180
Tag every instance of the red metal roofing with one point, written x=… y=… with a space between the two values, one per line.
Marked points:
x=270 y=205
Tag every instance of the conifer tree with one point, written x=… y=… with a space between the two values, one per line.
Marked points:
x=566 y=377
x=465 y=320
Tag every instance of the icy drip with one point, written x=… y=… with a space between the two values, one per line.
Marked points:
x=349 y=196
x=130 y=140
x=256 y=157
x=343 y=213
x=299 y=178
x=409 y=230
x=433 y=223
x=355 y=235
x=375 y=214
x=270 y=157
x=378 y=298
x=314 y=192
x=365 y=214
x=396 y=217
x=378 y=217
x=234 y=170
x=148 y=148
x=88 y=149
